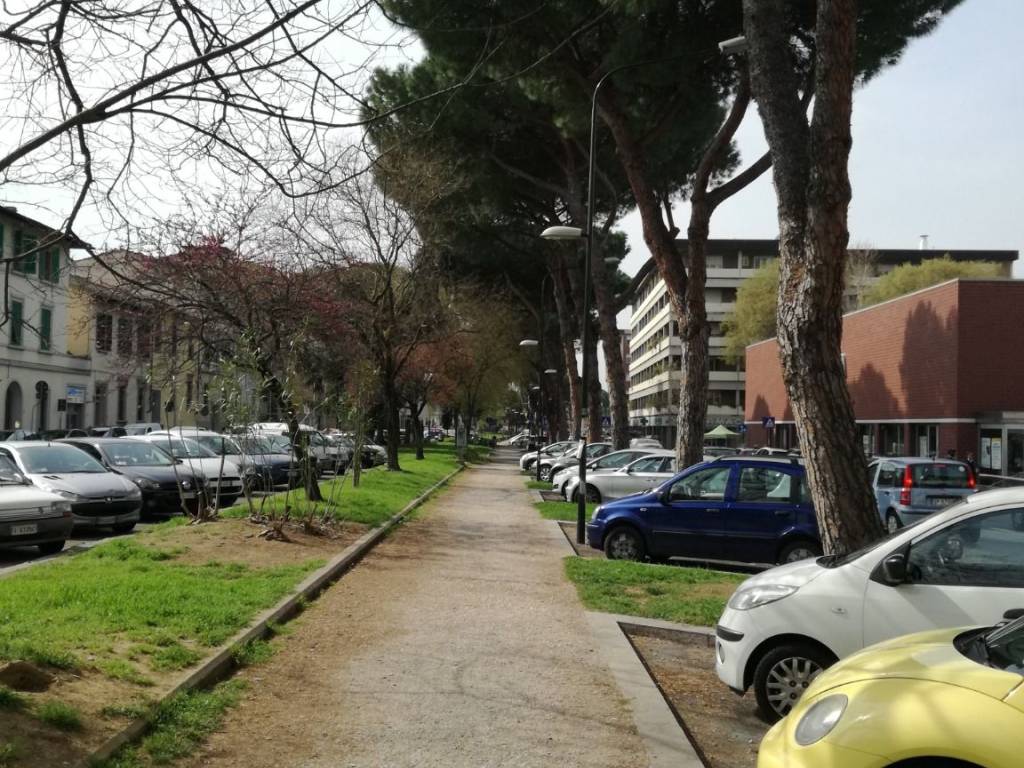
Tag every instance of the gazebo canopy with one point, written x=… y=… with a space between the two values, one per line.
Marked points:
x=721 y=431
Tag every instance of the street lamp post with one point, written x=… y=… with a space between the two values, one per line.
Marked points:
x=726 y=47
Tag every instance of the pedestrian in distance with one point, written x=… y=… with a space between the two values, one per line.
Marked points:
x=969 y=458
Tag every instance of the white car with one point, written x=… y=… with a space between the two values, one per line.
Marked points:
x=641 y=475
x=222 y=474
x=645 y=442
x=607 y=463
x=528 y=459
x=30 y=516
x=959 y=567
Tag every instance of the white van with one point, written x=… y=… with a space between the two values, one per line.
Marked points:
x=959 y=567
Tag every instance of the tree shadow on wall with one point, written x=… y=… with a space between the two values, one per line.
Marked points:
x=929 y=361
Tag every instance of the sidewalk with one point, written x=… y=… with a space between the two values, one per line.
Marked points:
x=457 y=642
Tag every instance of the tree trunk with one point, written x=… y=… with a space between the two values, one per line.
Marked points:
x=812 y=184
x=615 y=369
x=693 y=333
x=394 y=422
x=417 y=425
x=593 y=390
x=567 y=334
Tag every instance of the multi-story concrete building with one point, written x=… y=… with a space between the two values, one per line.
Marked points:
x=655 y=354
x=39 y=377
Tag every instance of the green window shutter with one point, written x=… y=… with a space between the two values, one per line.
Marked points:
x=54 y=265
x=29 y=265
x=3 y=249
x=16 y=319
x=19 y=238
x=45 y=325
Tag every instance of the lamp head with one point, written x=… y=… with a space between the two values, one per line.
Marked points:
x=562 y=233
x=529 y=343
x=733 y=45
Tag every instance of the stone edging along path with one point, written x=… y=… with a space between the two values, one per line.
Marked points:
x=222 y=662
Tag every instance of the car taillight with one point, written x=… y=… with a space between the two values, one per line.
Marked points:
x=908 y=483
x=972 y=482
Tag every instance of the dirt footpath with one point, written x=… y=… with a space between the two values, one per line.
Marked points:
x=457 y=642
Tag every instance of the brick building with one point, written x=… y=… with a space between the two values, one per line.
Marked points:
x=930 y=371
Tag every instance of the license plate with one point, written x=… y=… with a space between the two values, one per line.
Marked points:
x=188 y=495
x=105 y=520
x=24 y=530
x=942 y=501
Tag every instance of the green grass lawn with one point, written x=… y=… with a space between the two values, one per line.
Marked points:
x=561 y=510
x=83 y=611
x=686 y=595
x=538 y=485
x=380 y=494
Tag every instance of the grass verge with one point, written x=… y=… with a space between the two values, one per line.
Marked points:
x=380 y=495
x=561 y=510
x=686 y=595
x=538 y=485
x=61 y=716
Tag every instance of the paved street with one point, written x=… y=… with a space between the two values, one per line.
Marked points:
x=457 y=642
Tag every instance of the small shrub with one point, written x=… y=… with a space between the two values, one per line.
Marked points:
x=11 y=699
x=175 y=656
x=252 y=653
x=60 y=715
x=9 y=752
x=122 y=670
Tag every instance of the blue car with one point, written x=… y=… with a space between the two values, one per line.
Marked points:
x=744 y=508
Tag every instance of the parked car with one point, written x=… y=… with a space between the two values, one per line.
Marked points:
x=30 y=517
x=107 y=432
x=551 y=450
x=317 y=444
x=963 y=565
x=568 y=479
x=142 y=428
x=275 y=461
x=12 y=435
x=550 y=467
x=719 y=450
x=908 y=488
x=164 y=484
x=748 y=509
x=340 y=452
x=645 y=442
x=223 y=477
x=952 y=698
x=99 y=498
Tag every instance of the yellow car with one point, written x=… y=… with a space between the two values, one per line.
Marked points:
x=951 y=698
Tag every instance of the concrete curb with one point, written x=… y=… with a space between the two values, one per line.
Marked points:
x=218 y=665
x=535 y=494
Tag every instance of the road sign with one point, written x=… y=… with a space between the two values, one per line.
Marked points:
x=606 y=421
x=768 y=422
x=742 y=429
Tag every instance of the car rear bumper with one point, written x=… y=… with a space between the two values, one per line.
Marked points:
x=47 y=529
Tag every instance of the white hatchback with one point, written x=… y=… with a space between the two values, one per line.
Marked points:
x=959 y=567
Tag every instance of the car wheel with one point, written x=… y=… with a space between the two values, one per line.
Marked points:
x=123 y=527
x=798 y=550
x=784 y=673
x=893 y=522
x=50 y=547
x=545 y=472
x=624 y=543
x=593 y=495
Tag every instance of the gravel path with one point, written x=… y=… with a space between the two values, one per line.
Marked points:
x=457 y=642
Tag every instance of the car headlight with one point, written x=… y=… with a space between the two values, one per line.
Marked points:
x=62 y=507
x=820 y=719
x=744 y=599
x=145 y=483
x=66 y=494
x=597 y=511
x=186 y=485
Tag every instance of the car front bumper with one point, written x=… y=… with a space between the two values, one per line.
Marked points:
x=779 y=750
x=99 y=514
x=736 y=638
x=47 y=529
x=595 y=534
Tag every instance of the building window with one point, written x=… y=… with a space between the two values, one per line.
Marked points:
x=125 y=343
x=49 y=266
x=99 y=410
x=925 y=439
x=45 y=329
x=104 y=332
x=145 y=338
x=140 y=403
x=122 y=404
x=188 y=393
x=22 y=244
x=17 y=323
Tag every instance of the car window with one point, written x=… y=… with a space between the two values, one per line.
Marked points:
x=614 y=460
x=941 y=475
x=183 y=448
x=983 y=551
x=648 y=464
x=596 y=449
x=129 y=453
x=805 y=491
x=668 y=465
x=58 y=459
x=765 y=485
x=887 y=476
x=701 y=485
x=9 y=472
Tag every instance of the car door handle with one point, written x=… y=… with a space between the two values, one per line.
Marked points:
x=781 y=512
x=711 y=509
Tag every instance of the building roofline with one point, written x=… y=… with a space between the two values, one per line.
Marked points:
x=12 y=212
x=918 y=292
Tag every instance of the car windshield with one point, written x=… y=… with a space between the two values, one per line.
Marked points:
x=9 y=474
x=941 y=475
x=58 y=460
x=219 y=445
x=264 y=445
x=128 y=453
x=184 y=448
x=1005 y=646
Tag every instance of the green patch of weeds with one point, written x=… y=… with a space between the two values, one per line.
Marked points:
x=561 y=510
x=10 y=699
x=687 y=595
x=119 y=669
x=175 y=656
x=538 y=485
x=62 y=716
x=129 y=711
x=252 y=653
x=9 y=752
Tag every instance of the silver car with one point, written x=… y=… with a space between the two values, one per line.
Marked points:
x=640 y=476
x=908 y=488
x=602 y=465
x=550 y=467
x=99 y=498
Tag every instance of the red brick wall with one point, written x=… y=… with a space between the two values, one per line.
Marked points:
x=991 y=337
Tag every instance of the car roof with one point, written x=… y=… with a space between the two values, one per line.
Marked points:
x=28 y=443
x=919 y=460
x=91 y=440
x=795 y=460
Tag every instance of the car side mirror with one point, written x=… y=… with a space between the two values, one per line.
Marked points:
x=1013 y=613
x=894 y=569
